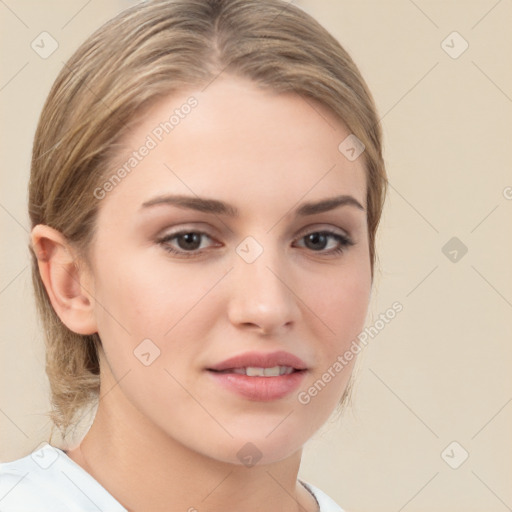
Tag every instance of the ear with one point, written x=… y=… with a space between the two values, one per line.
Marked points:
x=67 y=282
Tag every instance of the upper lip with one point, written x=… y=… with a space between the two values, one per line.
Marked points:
x=261 y=360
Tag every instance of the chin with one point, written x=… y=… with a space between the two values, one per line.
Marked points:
x=272 y=442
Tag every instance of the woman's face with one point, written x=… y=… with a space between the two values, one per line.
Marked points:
x=217 y=242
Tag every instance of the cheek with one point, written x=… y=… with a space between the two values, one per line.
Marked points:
x=341 y=302
x=158 y=301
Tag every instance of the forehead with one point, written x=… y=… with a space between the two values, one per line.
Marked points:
x=239 y=143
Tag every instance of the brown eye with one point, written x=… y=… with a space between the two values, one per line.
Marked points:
x=189 y=241
x=325 y=242
x=316 y=241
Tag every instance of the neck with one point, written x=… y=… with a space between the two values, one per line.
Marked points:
x=145 y=469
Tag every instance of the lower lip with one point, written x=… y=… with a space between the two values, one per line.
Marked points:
x=263 y=389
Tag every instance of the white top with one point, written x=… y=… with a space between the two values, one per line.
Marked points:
x=47 y=480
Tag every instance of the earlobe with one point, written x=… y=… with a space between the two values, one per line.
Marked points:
x=66 y=281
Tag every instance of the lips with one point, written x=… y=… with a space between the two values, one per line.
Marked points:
x=259 y=360
x=255 y=371
x=260 y=377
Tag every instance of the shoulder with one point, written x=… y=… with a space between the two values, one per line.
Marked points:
x=325 y=502
x=24 y=483
x=47 y=480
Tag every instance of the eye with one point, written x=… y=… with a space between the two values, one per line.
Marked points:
x=189 y=243
x=186 y=243
x=325 y=242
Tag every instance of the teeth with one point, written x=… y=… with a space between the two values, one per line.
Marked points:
x=254 y=371
x=275 y=371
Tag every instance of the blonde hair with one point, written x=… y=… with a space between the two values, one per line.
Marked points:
x=144 y=54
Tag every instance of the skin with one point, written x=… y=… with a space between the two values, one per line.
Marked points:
x=265 y=154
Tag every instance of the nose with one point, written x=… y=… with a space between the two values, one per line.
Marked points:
x=261 y=295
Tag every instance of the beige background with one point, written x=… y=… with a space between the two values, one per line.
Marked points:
x=440 y=371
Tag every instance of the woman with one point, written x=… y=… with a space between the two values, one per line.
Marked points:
x=206 y=184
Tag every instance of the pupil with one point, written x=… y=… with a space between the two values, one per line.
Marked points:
x=316 y=241
x=190 y=241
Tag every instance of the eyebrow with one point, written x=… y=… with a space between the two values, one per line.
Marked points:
x=206 y=205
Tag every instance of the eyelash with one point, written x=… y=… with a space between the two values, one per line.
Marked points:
x=343 y=243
